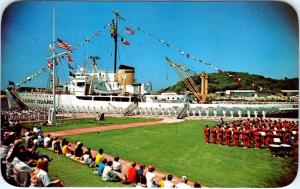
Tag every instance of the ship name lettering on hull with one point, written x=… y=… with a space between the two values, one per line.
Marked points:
x=38 y=101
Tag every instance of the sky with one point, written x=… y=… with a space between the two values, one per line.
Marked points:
x=255 y=37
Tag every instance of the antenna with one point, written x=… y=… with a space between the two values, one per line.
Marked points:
x=94 y=58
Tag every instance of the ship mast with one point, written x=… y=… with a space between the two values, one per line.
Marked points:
x=114 y=32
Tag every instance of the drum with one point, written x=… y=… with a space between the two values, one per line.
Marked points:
x=285 y=150
x=275 y=149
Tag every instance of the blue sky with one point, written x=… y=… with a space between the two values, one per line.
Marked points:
x=255 y=37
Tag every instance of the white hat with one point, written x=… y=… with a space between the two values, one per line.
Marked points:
x=78 y=143
x=184 y=178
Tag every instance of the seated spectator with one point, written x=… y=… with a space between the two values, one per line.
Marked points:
x=140 y=175
x=63 y=142
x=41 y=139
x=161 y=182
x=90 y=153
x=101 y=166
x=197 y=185
x=109 y=174
x=131 y=175
x=57 y=147
x=29 y=140
x=35 y=141
x=150 y=178
x=183 y=183
x=40 y=177
x=168 y=182
x=86 y=157
x=117 y=165
x=47 y=141
x=35 y=129
x=78 y=151
x=67 y=150
x=53 y=142
x=99 y=157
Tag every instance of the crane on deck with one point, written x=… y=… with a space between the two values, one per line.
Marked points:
x=186 y=75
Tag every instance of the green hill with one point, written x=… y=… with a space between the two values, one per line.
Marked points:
x=221 y=82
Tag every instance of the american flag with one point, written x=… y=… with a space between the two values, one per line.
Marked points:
x=62 y=44
x=125 y=42
x=129 y=31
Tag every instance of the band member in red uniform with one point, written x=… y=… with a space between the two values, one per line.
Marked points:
x=207 y=134
x=227 y=134
x=246 y=138
x=236 y=135
x=213 y=134
x=263 y=136
x=287 y=137
x=257 y=139
x=269 y=138
x=220 y=135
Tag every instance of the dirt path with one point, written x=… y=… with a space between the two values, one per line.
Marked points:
x=112 y=127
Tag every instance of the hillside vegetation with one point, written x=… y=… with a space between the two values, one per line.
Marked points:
x=221 y=82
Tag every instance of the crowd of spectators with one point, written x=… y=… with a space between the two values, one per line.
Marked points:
x=23 y=165
x=24 y=115
x=21 y=162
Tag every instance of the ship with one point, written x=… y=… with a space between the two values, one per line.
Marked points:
x=116 y=91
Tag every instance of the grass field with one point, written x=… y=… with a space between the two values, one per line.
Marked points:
x=91 y=122
x=179 y=149
x=73 y=173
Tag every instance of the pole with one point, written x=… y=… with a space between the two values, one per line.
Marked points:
x=116 y=44
x=53 y=120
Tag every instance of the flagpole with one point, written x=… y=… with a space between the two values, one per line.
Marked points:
x=116 y=45
x=53 y=120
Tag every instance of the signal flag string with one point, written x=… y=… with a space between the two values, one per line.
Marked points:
x=70 y=51
x=188 y=55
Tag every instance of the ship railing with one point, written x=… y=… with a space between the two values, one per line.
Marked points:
x=252 y=102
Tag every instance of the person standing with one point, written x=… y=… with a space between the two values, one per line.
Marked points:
x=213 y=134
x=246 y=138
x=227 y=134
x=269 y=138
x=220 y=135
x=236 y=135
x=207 y=134
x=257 y=138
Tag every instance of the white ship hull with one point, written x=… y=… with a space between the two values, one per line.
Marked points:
x=69 y=103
